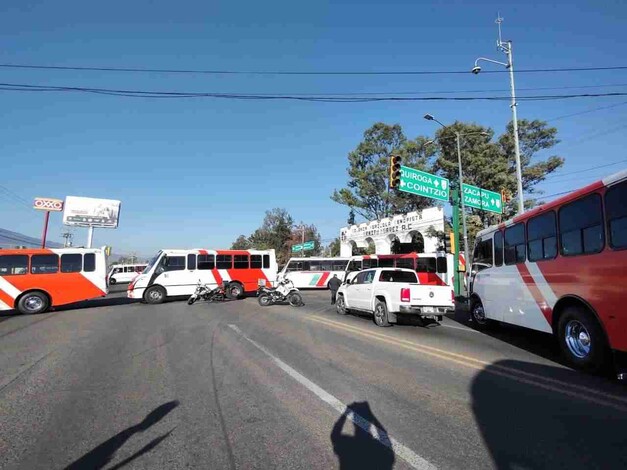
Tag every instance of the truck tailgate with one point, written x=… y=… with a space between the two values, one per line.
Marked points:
x=439 y=296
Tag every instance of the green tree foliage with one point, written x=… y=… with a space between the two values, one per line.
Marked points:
x=367 y=191
x=242 y=243
x=333 y=249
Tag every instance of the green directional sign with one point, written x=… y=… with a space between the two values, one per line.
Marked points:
x=480 y=198
x=297 y=247
x=308 y=245
x=424 y=184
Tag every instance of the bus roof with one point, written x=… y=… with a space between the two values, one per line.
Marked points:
x=576 y=194
x=47 y=251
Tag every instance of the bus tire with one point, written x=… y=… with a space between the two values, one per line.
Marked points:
x=32 y=303
x=235 y=290
x=155 y=295
x=380 y=314
x=582 y=340
x=112 y=281
x=477 y=315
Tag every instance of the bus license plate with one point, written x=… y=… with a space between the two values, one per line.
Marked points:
x=428 y=310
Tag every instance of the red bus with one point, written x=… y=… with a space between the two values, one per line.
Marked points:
x=560 y=268
x=33 y=280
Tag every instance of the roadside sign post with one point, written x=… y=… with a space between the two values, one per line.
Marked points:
x=484 y=199
x=424 y=184
x=457 y=284
x=48 y=205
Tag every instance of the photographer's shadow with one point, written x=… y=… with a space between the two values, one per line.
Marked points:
x=368 y=446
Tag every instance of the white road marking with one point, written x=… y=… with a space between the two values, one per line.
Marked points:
x=400 y=450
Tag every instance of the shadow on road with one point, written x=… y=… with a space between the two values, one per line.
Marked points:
x=526 y=425
x=102 y=455
x=536 y=342
x=362 y=449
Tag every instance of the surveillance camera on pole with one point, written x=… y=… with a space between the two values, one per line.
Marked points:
x=476 y=69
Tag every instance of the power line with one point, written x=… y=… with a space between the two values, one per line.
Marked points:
x=564 y=116
x=285 y=72
x=312 y=98
x=586 y=169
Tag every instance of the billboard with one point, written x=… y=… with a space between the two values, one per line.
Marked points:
x=48 y=204
x=90 y=212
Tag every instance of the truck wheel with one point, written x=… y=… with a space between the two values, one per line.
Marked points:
x=381 y=314
x=32 y=303
x=154 y=295
x=340 y=305
x=582 y=340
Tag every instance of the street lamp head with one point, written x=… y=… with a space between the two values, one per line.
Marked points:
x=428 y=117
x=476 y=69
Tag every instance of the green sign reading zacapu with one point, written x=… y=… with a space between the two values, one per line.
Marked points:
x=480 y=198
x=297 y=247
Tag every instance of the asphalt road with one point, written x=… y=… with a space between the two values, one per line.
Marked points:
x=115 y=384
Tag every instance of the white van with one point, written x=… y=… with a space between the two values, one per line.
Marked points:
x=123 y=273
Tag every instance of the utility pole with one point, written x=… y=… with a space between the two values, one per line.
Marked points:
x=68 y=239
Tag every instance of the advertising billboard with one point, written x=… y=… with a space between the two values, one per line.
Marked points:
x=48 y=204
x=90 y=212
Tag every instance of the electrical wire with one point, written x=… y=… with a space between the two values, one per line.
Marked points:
x=586 y=169
x=284 y=72
x=311 y=98
x=564 y=116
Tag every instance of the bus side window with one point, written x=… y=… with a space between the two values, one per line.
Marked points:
x=616 y=210
x=13 y=265
x=441 y=264
x=71 y=263
x=44 y=264
x=482 y=258
x=266 y=261
x=191 y=261
x=174 y=263
x=514 y=244
x=581 y=226
x=354 y=265
x=339 y=265
x=425 y=265
x=498 y=248
x=241 y=262
x=294 y=266
x=89 y=262
x=542 y=237
x=255 y=262
x=224 y=261
x=206 y=262
x=405 y=263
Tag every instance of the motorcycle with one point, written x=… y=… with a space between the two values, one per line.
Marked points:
x=204 y=292
x=283 y=292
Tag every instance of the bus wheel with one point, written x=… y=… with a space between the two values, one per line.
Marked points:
x=477 y=315
x=112 y=281
x=581 y=340
x=33 y=303
x=155 y=295
x=235 y=290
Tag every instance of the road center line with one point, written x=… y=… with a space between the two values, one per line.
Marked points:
x=402 y=451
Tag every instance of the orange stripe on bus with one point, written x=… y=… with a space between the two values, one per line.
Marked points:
x=6 y=298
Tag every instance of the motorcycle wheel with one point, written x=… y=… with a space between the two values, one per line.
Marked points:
x=296 y=300
x=264 y=300
x=191 y=300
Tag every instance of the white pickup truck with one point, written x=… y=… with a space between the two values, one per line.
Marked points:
x=386 y=292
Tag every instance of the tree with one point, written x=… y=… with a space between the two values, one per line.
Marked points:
x=367 y=192
x=275 y=233
x=242 y=243
x=491 y=164
x=333 y=249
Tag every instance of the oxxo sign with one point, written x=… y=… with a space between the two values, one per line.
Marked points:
x=48 y=204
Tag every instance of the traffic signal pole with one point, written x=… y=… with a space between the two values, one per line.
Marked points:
x=457 y=281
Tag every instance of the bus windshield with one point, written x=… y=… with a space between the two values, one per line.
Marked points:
x=152 y=262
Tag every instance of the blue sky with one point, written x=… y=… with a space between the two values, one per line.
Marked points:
x=199 y=172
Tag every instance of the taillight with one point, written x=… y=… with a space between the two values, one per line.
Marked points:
x=405 y=297
x=453 y=295
x=131 y=286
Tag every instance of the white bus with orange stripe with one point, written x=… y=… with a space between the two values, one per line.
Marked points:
x=174 y=273
x=560 y=268
x=34 y=280
x=314 y=273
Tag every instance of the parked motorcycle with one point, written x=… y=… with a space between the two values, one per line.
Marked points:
x=204 y=292
x=283 y=292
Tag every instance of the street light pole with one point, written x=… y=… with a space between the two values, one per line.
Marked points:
x=461 y=196
x=507 y=48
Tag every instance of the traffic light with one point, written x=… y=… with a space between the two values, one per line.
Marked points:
x=506 y=196
x=395 y=171
x=449 y=242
